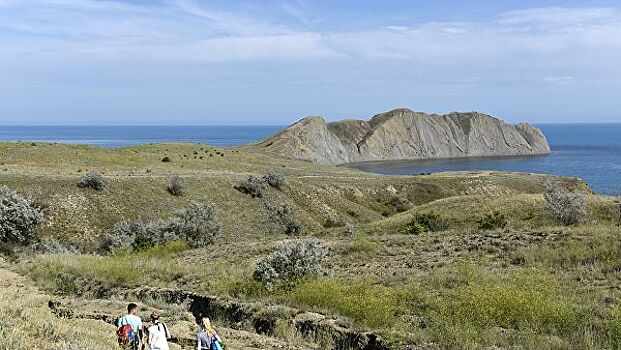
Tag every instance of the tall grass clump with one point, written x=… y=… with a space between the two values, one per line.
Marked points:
x=92 y=179
x=366 y=303
x=529 y=302
x=289 y=262
x=19 y=218
x=568 y=208
x=176 y=186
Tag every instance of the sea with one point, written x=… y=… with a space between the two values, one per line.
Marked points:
x=591 y=152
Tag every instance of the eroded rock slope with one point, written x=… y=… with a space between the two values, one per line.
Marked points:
x=405 y=134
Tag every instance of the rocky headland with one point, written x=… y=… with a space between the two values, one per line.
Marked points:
x=403 y=134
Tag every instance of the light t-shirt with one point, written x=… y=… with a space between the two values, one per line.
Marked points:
x=157 y=337
x=133 y=320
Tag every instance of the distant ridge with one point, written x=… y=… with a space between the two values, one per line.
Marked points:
x=404 y=134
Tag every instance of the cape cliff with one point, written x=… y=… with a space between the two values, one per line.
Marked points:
x=404 y=134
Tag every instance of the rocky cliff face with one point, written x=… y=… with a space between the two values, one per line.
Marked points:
x=404 y=134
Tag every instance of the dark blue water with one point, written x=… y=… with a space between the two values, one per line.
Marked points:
x=122 y=136
x=591 y=152
x=588 y=151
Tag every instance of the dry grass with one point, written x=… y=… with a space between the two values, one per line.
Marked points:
x=530 y=285
x=27 y=323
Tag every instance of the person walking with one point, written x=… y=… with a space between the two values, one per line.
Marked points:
x=158 y=334
x=129 y=330
x=207 y=337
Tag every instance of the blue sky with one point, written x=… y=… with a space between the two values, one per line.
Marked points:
x=274 y=61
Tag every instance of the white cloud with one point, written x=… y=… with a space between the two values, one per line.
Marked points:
x=178 y=24
x=187 y=44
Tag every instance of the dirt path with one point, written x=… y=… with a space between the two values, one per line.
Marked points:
x=26 y=319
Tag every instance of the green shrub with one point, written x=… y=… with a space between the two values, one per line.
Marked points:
x=19 y=218
x=136 y=235
x=568 y=208
x=334 y=221
x=50 y=245
x=492 y=221
x=413 y=228
x=399 y=204
x=254 y=186
x=432 y=222
x=284 y=215
x=196 y=224
x=426 y=222
x=93 y=180
x=289 y=262
x=274 y=180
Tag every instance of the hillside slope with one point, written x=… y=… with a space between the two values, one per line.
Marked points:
x=404 y=134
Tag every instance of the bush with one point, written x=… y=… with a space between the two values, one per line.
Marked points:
x=19 y=218
x=289 y=262
x=50 y=245
x=399 y=204
x=334 y=221
x=196 y=224
x=93 y=180
x=568 y=208
x=254 y=186
x=413 y=228
x=350 y=230
x=430 y=222
x=136 y=235
x=492 y=221
x=166 y=159
x=176 y=186
x=284 y=215
x=274 y=180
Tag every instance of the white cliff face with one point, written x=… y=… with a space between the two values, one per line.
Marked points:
x=404 y=134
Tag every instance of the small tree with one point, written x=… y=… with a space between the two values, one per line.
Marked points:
x=568 y=208
x=254 y=186
x=93 y=180
x=196 y=224
x=289 y=262
x=19 y=218
x=176 y=186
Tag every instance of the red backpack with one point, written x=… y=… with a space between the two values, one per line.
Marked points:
x=125 y=332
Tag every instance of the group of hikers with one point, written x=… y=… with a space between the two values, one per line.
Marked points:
x=132 y=335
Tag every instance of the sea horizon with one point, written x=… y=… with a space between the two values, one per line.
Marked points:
x=589 y=151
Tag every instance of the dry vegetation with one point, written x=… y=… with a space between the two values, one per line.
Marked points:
x=489 y=266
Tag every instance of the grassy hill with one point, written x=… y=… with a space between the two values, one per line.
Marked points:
x=530 y=284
